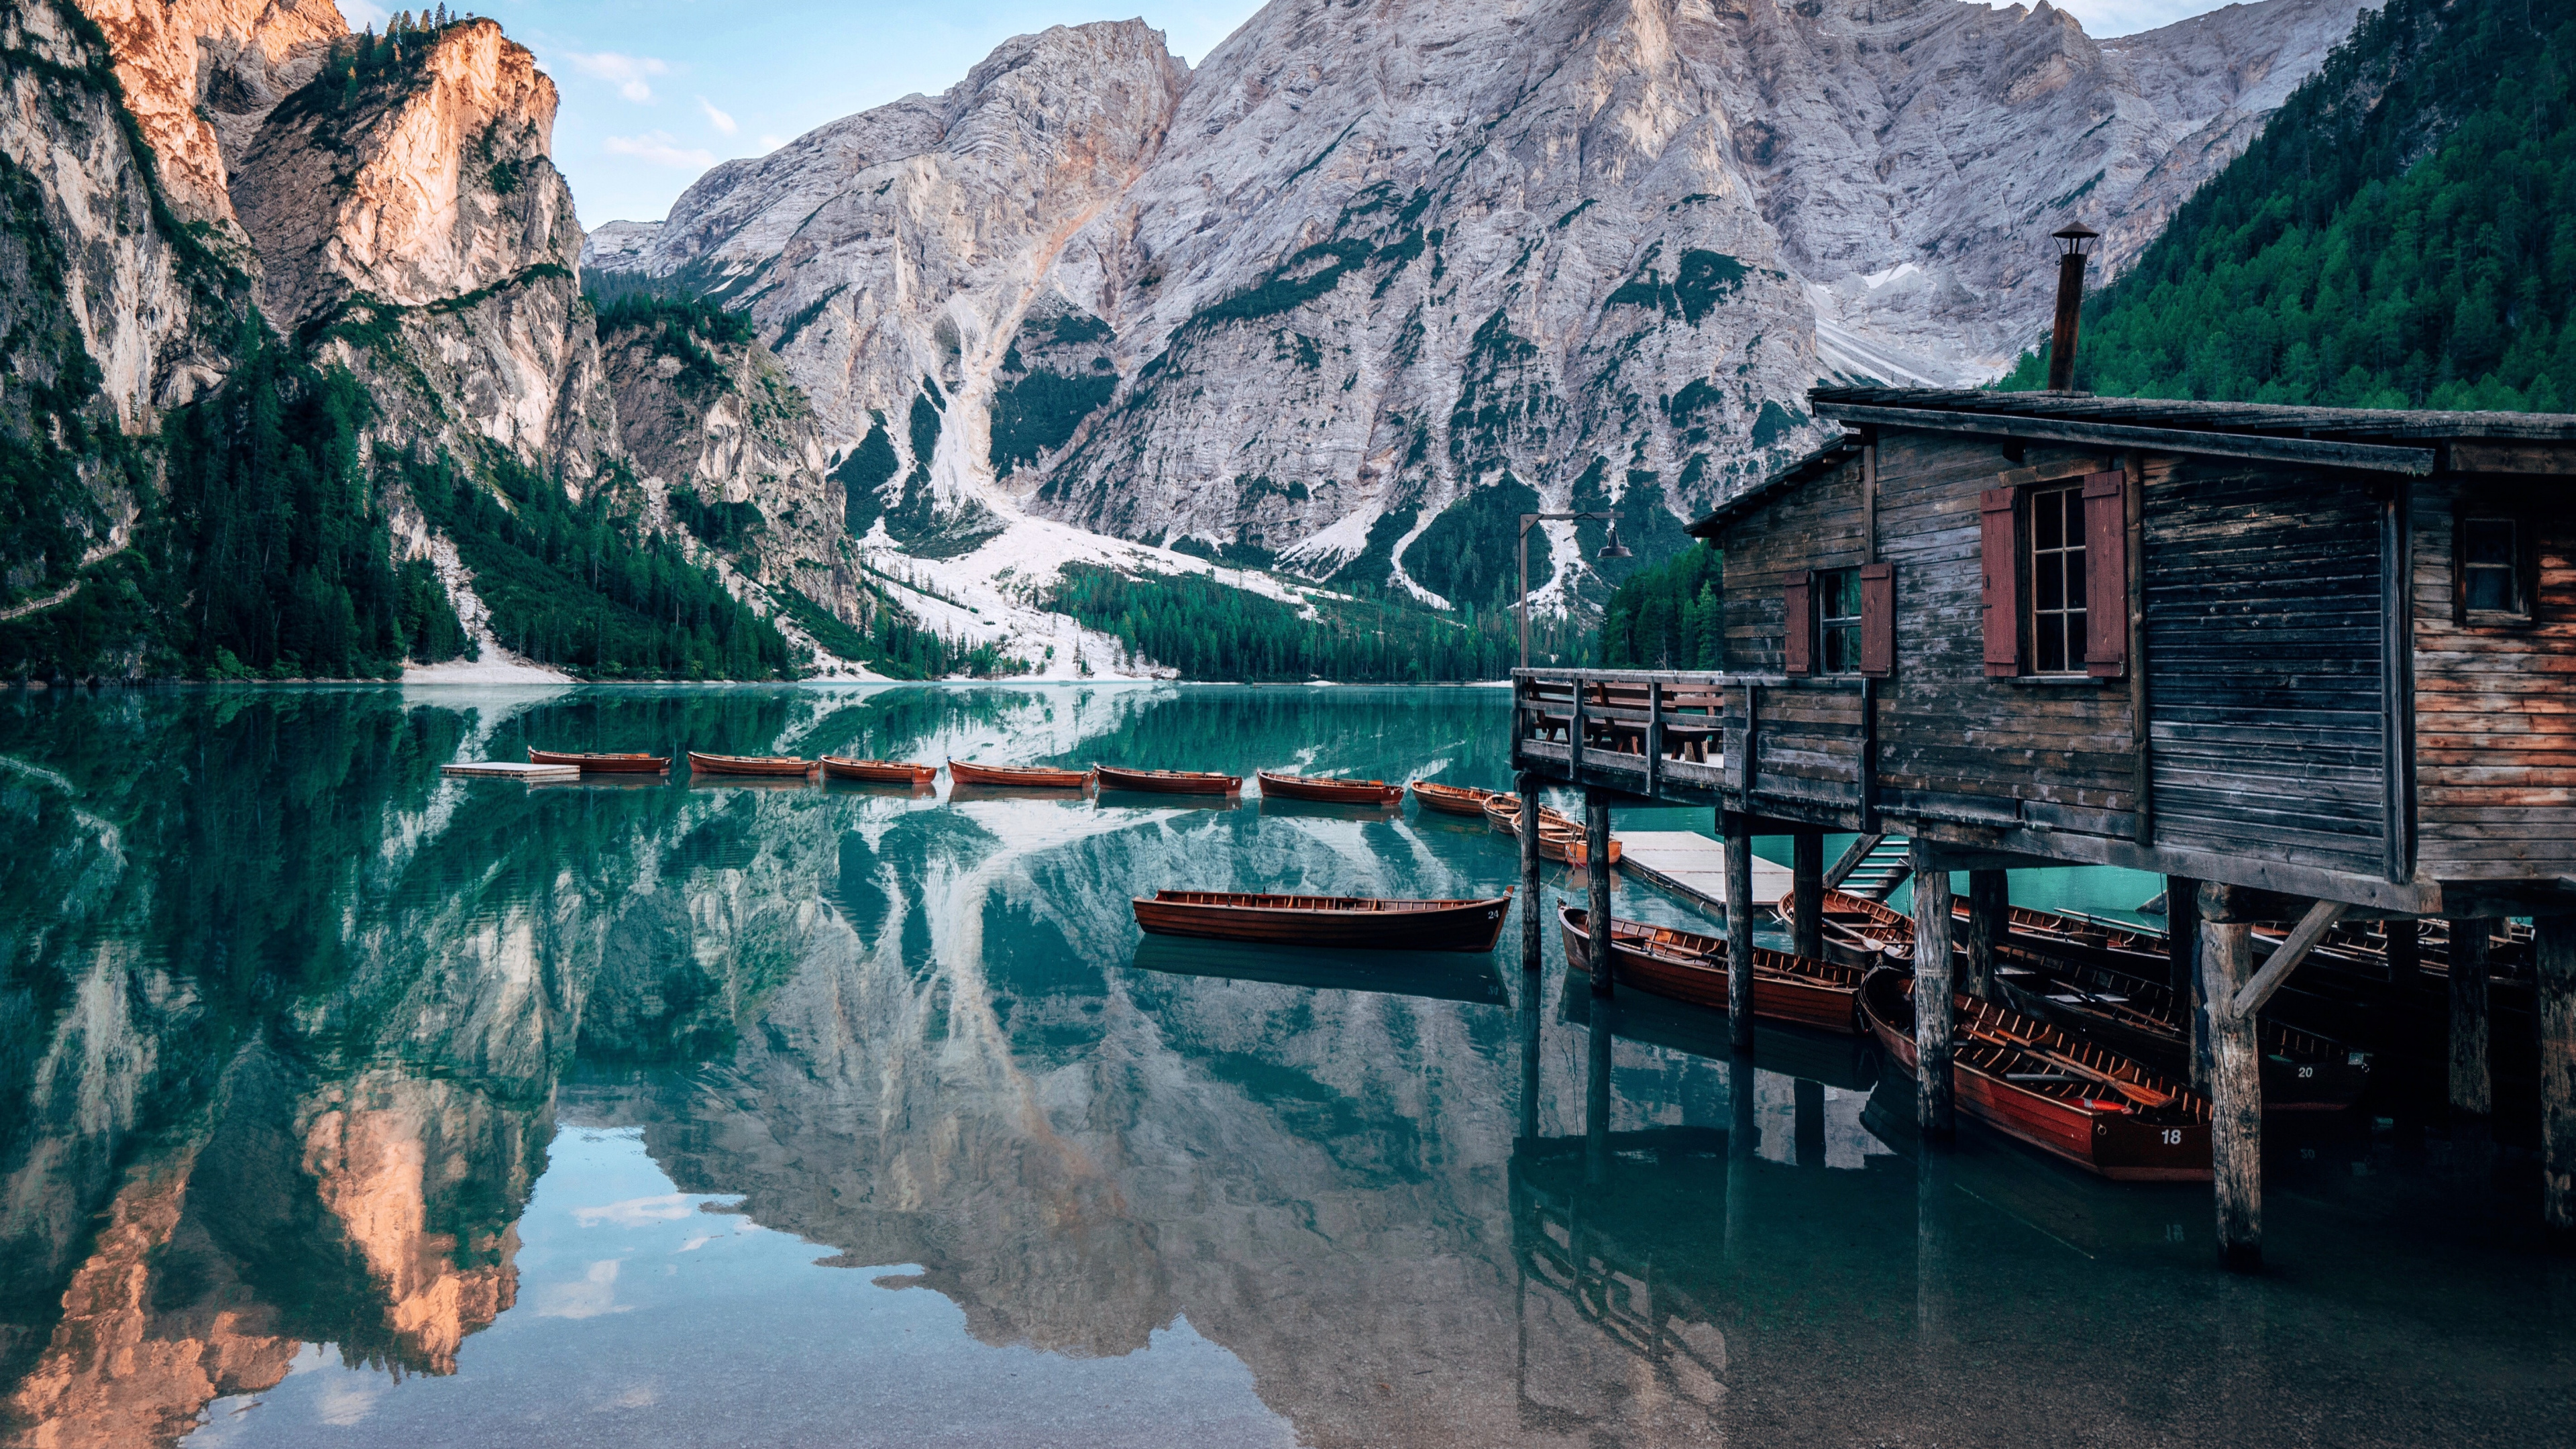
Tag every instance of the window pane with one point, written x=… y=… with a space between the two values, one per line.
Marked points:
x=2048 y=581
x=2075 y=578
x=2491 y=588
x=2047 y=521
x=2052 y=643
x=2488 y=541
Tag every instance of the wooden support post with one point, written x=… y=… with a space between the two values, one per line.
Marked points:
x=1989 y=922
x=1807 y=892
x=1533 y=909
x=1934 y=1107
x=1739 y=930
x=2235 y=1079
x=1596 y=868
x=2182 y=933
x=2472 y=1084
x=2554 y=948
x=2405 y=953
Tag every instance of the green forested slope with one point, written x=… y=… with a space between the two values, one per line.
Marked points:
x=2403 y=234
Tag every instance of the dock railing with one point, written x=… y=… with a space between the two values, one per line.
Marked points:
x=1765 y=743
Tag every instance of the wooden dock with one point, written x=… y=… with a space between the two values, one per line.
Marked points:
x=505 y=770
x=1693 y=866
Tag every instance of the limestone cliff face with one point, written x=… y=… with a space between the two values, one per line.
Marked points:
x=1368 y=261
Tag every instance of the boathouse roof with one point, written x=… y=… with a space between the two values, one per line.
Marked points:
x=2389 y=440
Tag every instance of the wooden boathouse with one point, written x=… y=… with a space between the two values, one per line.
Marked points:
x=2311 y=665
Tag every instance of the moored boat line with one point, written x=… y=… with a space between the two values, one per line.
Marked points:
x=603 y=764
x=1018 y=777
x=883 y=772
x=770 y=766
x=1560 y=837
x=1167 y=782
x=1326 y=790
x=1451 y=799
x=1692 y=967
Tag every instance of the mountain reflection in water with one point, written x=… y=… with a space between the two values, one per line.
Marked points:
x=341 y=1102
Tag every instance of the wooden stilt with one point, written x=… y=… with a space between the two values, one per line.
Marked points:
x=1532 y=1022
x=1807 y=890
x=1596 y=1091
x=2405 y=952
x=1934 y=1105
x=2235 y=1079
x=1989 y=921
x=1533 y=915
x=2554 y=946
x=1739 y=930
x=2472 y=1084
x=2182 y=957
x=1596 y=846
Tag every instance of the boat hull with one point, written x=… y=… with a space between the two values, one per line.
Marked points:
x=766 y=766
x=878 y=772
x=604 y=764
x=1810 y=994
x=1167 y=782
x=1017 y=777
x=1342 y=922
x=2121 y=1145
x=1330 y=792
x=1451 y=799
x=2300 y=1073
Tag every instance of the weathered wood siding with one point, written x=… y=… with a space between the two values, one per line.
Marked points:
x=1815 y=526
x=2264 y=606
x=1954 y=743
x=2495 y=708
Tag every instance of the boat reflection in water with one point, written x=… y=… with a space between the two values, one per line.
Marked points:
x=351 y=1104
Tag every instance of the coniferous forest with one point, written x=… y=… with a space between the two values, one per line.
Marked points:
x=1666 y=616
x=2402 y=234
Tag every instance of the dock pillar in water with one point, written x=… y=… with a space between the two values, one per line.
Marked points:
x=1533 y=912
x=1935 y=1096
x=1807 y=889
x=1596 y=865
x=2554 y=946
x=2472 y=1084
x=1739 y=930
x=2235 y=1078
x=1989 y=919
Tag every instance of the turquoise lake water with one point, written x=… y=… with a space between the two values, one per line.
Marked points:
x=345 y=1104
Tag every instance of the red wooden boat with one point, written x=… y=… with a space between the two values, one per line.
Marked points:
x=1689 y=966
x=1018 y=777
x=774 y=766
x=1858 y=931
x=1343 y=921
x=1451 y=799
x=1559 y=838
x=1168 y=782
x=2038 y=1085
x=603 y=764
x=880 y=772
x=1330 y=791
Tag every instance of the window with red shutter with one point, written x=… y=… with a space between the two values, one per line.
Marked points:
x=2002 y=588
x=1878 y=619
x=1798 y=624
x=2106 y=574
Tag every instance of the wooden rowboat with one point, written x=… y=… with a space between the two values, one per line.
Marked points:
x=1330 y=791
x=603 y=764
x=2038 y=1085
x=1689 y=966
x=1168 y=782
x=1858 y=931
x=2140 y=1017
x=1559 y=838
x=1018 y=777
x=1338 y=921
x=770 y=765
x=881 y=772
x=1451 y=799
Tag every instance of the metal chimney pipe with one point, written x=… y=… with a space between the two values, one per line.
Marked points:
x=2070 y=306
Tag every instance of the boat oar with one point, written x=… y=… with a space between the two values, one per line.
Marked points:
x=2143 y=1096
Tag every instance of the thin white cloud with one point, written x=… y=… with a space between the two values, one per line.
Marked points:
x=626 y=72
x=770 y=143
x=661 y=148
x=716 y=118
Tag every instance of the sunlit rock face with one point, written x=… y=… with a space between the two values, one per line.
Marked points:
x=1365 y=262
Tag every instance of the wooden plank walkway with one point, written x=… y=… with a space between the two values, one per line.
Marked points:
x=505 y=770
x=1693 y=866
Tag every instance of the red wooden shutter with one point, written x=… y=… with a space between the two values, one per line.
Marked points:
x=1798 y=624
x=2106 y=574
x=2002 y=581
x=1878 y=619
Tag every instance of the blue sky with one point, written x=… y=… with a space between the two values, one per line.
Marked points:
x=656 y=91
